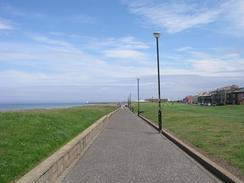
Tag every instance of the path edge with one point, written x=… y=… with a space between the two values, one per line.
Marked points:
x=211 y=166
x=53 y=166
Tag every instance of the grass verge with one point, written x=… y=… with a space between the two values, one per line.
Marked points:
x=218 y=131
x=27 y=137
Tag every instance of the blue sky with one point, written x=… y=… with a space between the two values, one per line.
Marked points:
x=72 y=51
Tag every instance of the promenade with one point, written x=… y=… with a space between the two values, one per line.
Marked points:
x=128 y=151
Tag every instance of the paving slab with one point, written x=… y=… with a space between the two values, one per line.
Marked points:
x=131 y=151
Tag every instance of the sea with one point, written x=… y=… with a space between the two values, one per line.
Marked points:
x=29 y=106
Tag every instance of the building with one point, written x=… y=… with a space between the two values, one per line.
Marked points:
x=187 y=100
x=232 y=98
x=205 y=98
x=240 y=96
x=231 y=95
x=223 y=95
x=195 y=99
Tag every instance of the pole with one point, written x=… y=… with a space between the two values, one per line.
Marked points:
x=159 y=94
x=138 y=98
x=130 y=103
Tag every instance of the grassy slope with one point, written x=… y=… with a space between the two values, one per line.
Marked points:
x=219 y=131
x=30 y=136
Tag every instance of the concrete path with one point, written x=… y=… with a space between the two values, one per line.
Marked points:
x=129 y=151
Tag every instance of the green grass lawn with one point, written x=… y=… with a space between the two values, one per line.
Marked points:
x=28 y=137
x=219 y=131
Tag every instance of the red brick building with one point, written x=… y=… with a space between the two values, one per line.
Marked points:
x=188 y=99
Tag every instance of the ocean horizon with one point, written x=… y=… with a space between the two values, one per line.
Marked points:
x=29 y=106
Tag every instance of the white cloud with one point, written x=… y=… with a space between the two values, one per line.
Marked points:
x=210 y=66
x=18 y=56
x=54 y=44
x=48 y=62
x=128 y=42
x=173 y=17
x=118 y=53
x=110 y=61
x=58 y=62
x=183 y=49
x=215 y=63
x=233 y=15
x=25 y=78
x=125 y=47
x=177 y=16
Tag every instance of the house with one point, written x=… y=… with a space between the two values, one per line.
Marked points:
x=187 y=100
x=232 y=98
x=223 y=95
x=226 y=95
x=240 y=96
x=204 y=98
x=195 y=99
x=214 y=97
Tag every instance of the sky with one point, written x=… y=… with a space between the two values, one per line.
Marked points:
x=80 y=50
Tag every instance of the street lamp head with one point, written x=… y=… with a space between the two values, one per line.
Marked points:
x=156 y=34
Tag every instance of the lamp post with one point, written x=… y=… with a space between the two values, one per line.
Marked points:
x=157 y=35
x=138 y=98
x=130 y=102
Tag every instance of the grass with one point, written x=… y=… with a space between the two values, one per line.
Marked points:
x=28 y=137
x=218 y=131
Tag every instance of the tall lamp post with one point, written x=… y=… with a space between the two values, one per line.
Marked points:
x=138 y=97
x=157 y=35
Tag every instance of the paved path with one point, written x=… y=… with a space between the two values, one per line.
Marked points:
x=129 y=151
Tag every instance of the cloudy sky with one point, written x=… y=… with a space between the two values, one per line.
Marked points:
x=74 y=51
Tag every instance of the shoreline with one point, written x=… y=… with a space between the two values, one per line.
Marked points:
x=18 y=107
